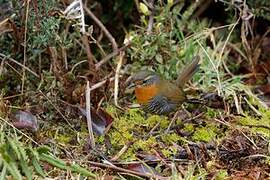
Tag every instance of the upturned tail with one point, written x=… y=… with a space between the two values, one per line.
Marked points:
x=188 y=72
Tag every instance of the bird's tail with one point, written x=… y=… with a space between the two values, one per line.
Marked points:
x=188 y=72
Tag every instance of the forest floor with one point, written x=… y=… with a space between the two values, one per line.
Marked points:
x=65 y=111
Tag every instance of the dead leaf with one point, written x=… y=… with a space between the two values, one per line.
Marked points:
x=25 y=120
x=100 y=120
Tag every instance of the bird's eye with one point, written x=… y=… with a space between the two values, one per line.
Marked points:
x=144 y=81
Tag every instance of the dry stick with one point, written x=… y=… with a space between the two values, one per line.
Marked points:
x=88 y=51
x=99 y=84
x=204 y=5
x=222 y=121
x=18 y=63
x=124 y=170
x=116 y=80
x=63 y=116
x=102 y=27
x=108 y=57
x=25 y=38
x=88 y=115
x=121 y=152
x=151 y=18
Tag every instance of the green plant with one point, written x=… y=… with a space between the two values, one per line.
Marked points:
x=20 y=161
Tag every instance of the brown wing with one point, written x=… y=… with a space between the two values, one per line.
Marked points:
x=171 y=91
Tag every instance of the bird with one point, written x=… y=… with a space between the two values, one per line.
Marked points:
x=158 y=95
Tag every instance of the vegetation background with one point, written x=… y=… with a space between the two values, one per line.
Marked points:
x=60 y=56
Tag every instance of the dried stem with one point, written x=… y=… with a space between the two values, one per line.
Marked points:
x=151 y=18
x=57 y=109
x=18 y=63
x=99 y=84
x=116 y=80
x=24 y=43
x=108 y=57
x=124 y=170
x=88 y=51
x=121 y=152
x=88 y=115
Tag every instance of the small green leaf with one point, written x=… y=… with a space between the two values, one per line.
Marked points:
x=170 y=3
x=63 y=165
x=144 y=9
x=13 y=170
x=26 y=169
x=37 y=167
x=3 y=173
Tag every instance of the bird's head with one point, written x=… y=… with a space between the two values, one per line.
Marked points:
x=142 y=78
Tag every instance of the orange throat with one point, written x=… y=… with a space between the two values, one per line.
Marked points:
x=144 y=94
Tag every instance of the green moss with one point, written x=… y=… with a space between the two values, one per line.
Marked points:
x=222 y=174
x=100 y=139
x=169 y=152
x=258 y=125
x=153 y=120
x=211 y=112
x=63 y=138
x=129 y=155
x=171 y=138
x=145 y=145
x=120 y=138
x=206 y=134
x=189 y=128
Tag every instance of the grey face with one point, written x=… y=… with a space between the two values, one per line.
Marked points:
x=142 y=78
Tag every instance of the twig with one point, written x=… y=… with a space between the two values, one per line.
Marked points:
x=116 y=80
x=63 y=116
x=125 y=170
x=222 y=121
x=88 y=51
x=10 y=97
x=16 y=62
x=88 y=115
x=85 y=39
x=202 y=7
x=226 y=41
x=252 y=107
x=257 y=126
x=172 y=122
x=25 y=45
x=77 y=64
x=151 y=18
x=99 y=84
x=152 y=131
x=122 y=151
x=102 y=27
x=108 y=57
